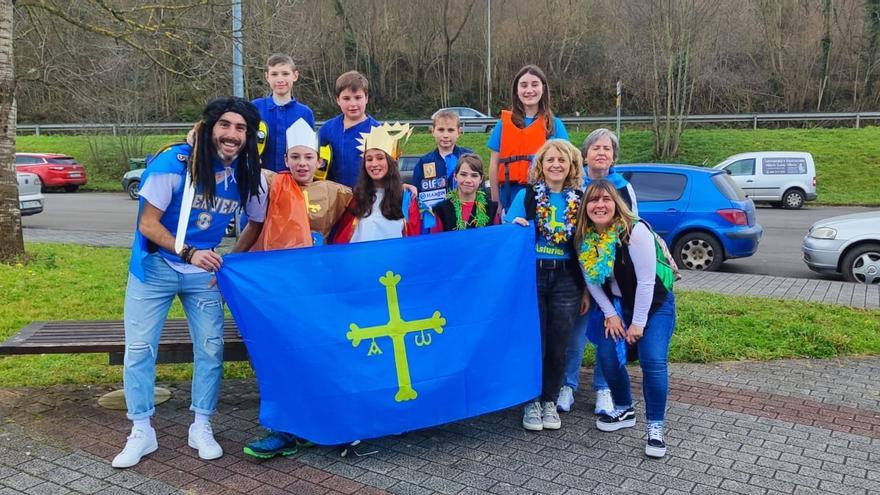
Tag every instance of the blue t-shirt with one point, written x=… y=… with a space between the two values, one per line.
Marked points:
x=544 y=249
x=345 y=161
x=278 y=119
x=494 y=142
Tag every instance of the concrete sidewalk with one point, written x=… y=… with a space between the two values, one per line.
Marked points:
x=796 y=426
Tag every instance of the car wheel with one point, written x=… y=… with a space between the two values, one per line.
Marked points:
x=71 y=188
x=793 y=199
x=698 y=251
x=862 y=264
x=133 y=188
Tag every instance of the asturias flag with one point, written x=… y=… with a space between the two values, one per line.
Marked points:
x=364 y=340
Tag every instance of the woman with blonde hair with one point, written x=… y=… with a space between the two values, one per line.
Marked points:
x=619 y=259
x=552 y=202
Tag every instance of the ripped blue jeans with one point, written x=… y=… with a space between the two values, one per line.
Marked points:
x=146 y=307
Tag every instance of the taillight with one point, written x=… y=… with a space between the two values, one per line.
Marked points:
x=814 y=181
x=56 y=168
x=734 y=216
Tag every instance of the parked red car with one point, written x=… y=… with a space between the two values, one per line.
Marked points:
x=54 y=170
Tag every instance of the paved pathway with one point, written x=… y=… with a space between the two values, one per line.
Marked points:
x=793 y=427
x=827 y=291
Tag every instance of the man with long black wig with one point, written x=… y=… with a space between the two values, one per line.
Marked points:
x=188 y=195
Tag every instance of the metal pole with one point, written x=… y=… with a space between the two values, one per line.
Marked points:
x=237 y=52
x=617 y=104
x=237 y=71
x=489 y=57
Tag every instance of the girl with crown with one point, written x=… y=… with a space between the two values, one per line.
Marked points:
x=552 y=202
x=381 y=207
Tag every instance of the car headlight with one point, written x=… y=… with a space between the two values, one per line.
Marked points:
x=823 y=233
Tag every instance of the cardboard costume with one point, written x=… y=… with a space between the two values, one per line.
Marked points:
x=296 y=211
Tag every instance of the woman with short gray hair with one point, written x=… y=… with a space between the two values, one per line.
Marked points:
x=600 y=151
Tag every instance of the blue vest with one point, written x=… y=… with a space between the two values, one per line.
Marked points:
x=207 y=223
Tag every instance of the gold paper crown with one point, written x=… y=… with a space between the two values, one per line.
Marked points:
x=386 y=137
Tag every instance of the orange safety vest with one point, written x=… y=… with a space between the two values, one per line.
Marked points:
x=518 y=148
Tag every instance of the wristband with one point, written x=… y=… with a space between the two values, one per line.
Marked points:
x=186 y=254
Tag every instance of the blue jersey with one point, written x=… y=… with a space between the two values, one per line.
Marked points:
x=207 y=223
x=433 y=175
x=345 y=161
x=544 y=249
x=278 y=118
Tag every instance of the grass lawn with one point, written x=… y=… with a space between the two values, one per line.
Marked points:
x=847 y=160
x=83 y=283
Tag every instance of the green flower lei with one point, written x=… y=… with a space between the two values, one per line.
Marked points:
x=481 y=219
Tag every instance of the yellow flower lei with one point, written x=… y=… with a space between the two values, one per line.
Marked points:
x=597 y=253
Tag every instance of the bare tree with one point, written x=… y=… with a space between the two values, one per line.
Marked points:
x=11 y=242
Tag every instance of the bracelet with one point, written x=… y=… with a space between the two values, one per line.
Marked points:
x=186 y=254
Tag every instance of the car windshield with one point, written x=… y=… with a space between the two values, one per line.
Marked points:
x=728 y=187
x=64 y=160
x=406 y=163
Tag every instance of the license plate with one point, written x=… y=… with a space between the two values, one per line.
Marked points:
x=74 y=174
x=29 y=204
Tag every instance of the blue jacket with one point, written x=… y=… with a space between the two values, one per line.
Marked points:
x=278 y=119
x=432 y=190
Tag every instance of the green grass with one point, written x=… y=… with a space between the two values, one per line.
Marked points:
x=847 y=160
x=68 y=282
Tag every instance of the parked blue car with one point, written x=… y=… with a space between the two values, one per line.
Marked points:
x=701 y=213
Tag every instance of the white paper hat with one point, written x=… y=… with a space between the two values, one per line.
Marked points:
x=302 y=134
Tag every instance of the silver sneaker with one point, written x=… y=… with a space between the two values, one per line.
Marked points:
x=550 y=417
x=532 y=417
x=140 y=443
x=604 y=402
x=566 y=399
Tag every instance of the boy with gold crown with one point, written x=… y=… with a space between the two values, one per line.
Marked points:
x=302 y=210
x=381 y=207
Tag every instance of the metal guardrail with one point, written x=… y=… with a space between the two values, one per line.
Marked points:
x=754 y=118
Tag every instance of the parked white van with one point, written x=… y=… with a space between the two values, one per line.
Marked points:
x=783 y=178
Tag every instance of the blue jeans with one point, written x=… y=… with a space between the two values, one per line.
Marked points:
x=559 y=299
x=146 y=307
x=593 y=321
x=653 y=358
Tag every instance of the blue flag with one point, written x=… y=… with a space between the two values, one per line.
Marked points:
x=359 y=341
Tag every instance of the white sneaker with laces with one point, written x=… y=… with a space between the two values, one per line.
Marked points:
x=550 y=417
x=140 y=443
x=532 y=417
x=566 y=399
x=201 y=438
x=604 y=402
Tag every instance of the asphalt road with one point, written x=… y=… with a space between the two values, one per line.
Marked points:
x=779 y=253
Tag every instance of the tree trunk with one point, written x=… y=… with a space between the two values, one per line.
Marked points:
x=825 y=57
x=11 y=242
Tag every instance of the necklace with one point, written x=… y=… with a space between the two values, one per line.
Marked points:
x=597 y=253
x=555 y=232
x=481 y=219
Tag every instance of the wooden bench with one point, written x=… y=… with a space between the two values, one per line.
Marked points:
x=79 y=337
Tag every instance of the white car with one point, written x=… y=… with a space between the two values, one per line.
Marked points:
x=782 y=178
x=846 y=244
x=30 y=199
x=471 y=120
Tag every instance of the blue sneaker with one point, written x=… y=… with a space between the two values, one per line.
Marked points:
x=275 y=443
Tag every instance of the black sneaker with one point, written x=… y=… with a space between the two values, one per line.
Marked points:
x=656 y=447
x=619 y=418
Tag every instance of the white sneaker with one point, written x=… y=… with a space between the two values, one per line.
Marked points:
x=566 y=399
x=550 y=417
x=202 y=439
x=604 y=402
x=140 y=443
x=532 y=417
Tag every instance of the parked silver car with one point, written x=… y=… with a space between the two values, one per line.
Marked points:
x=30 y=199
x=848 y=244
x=471 y=120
